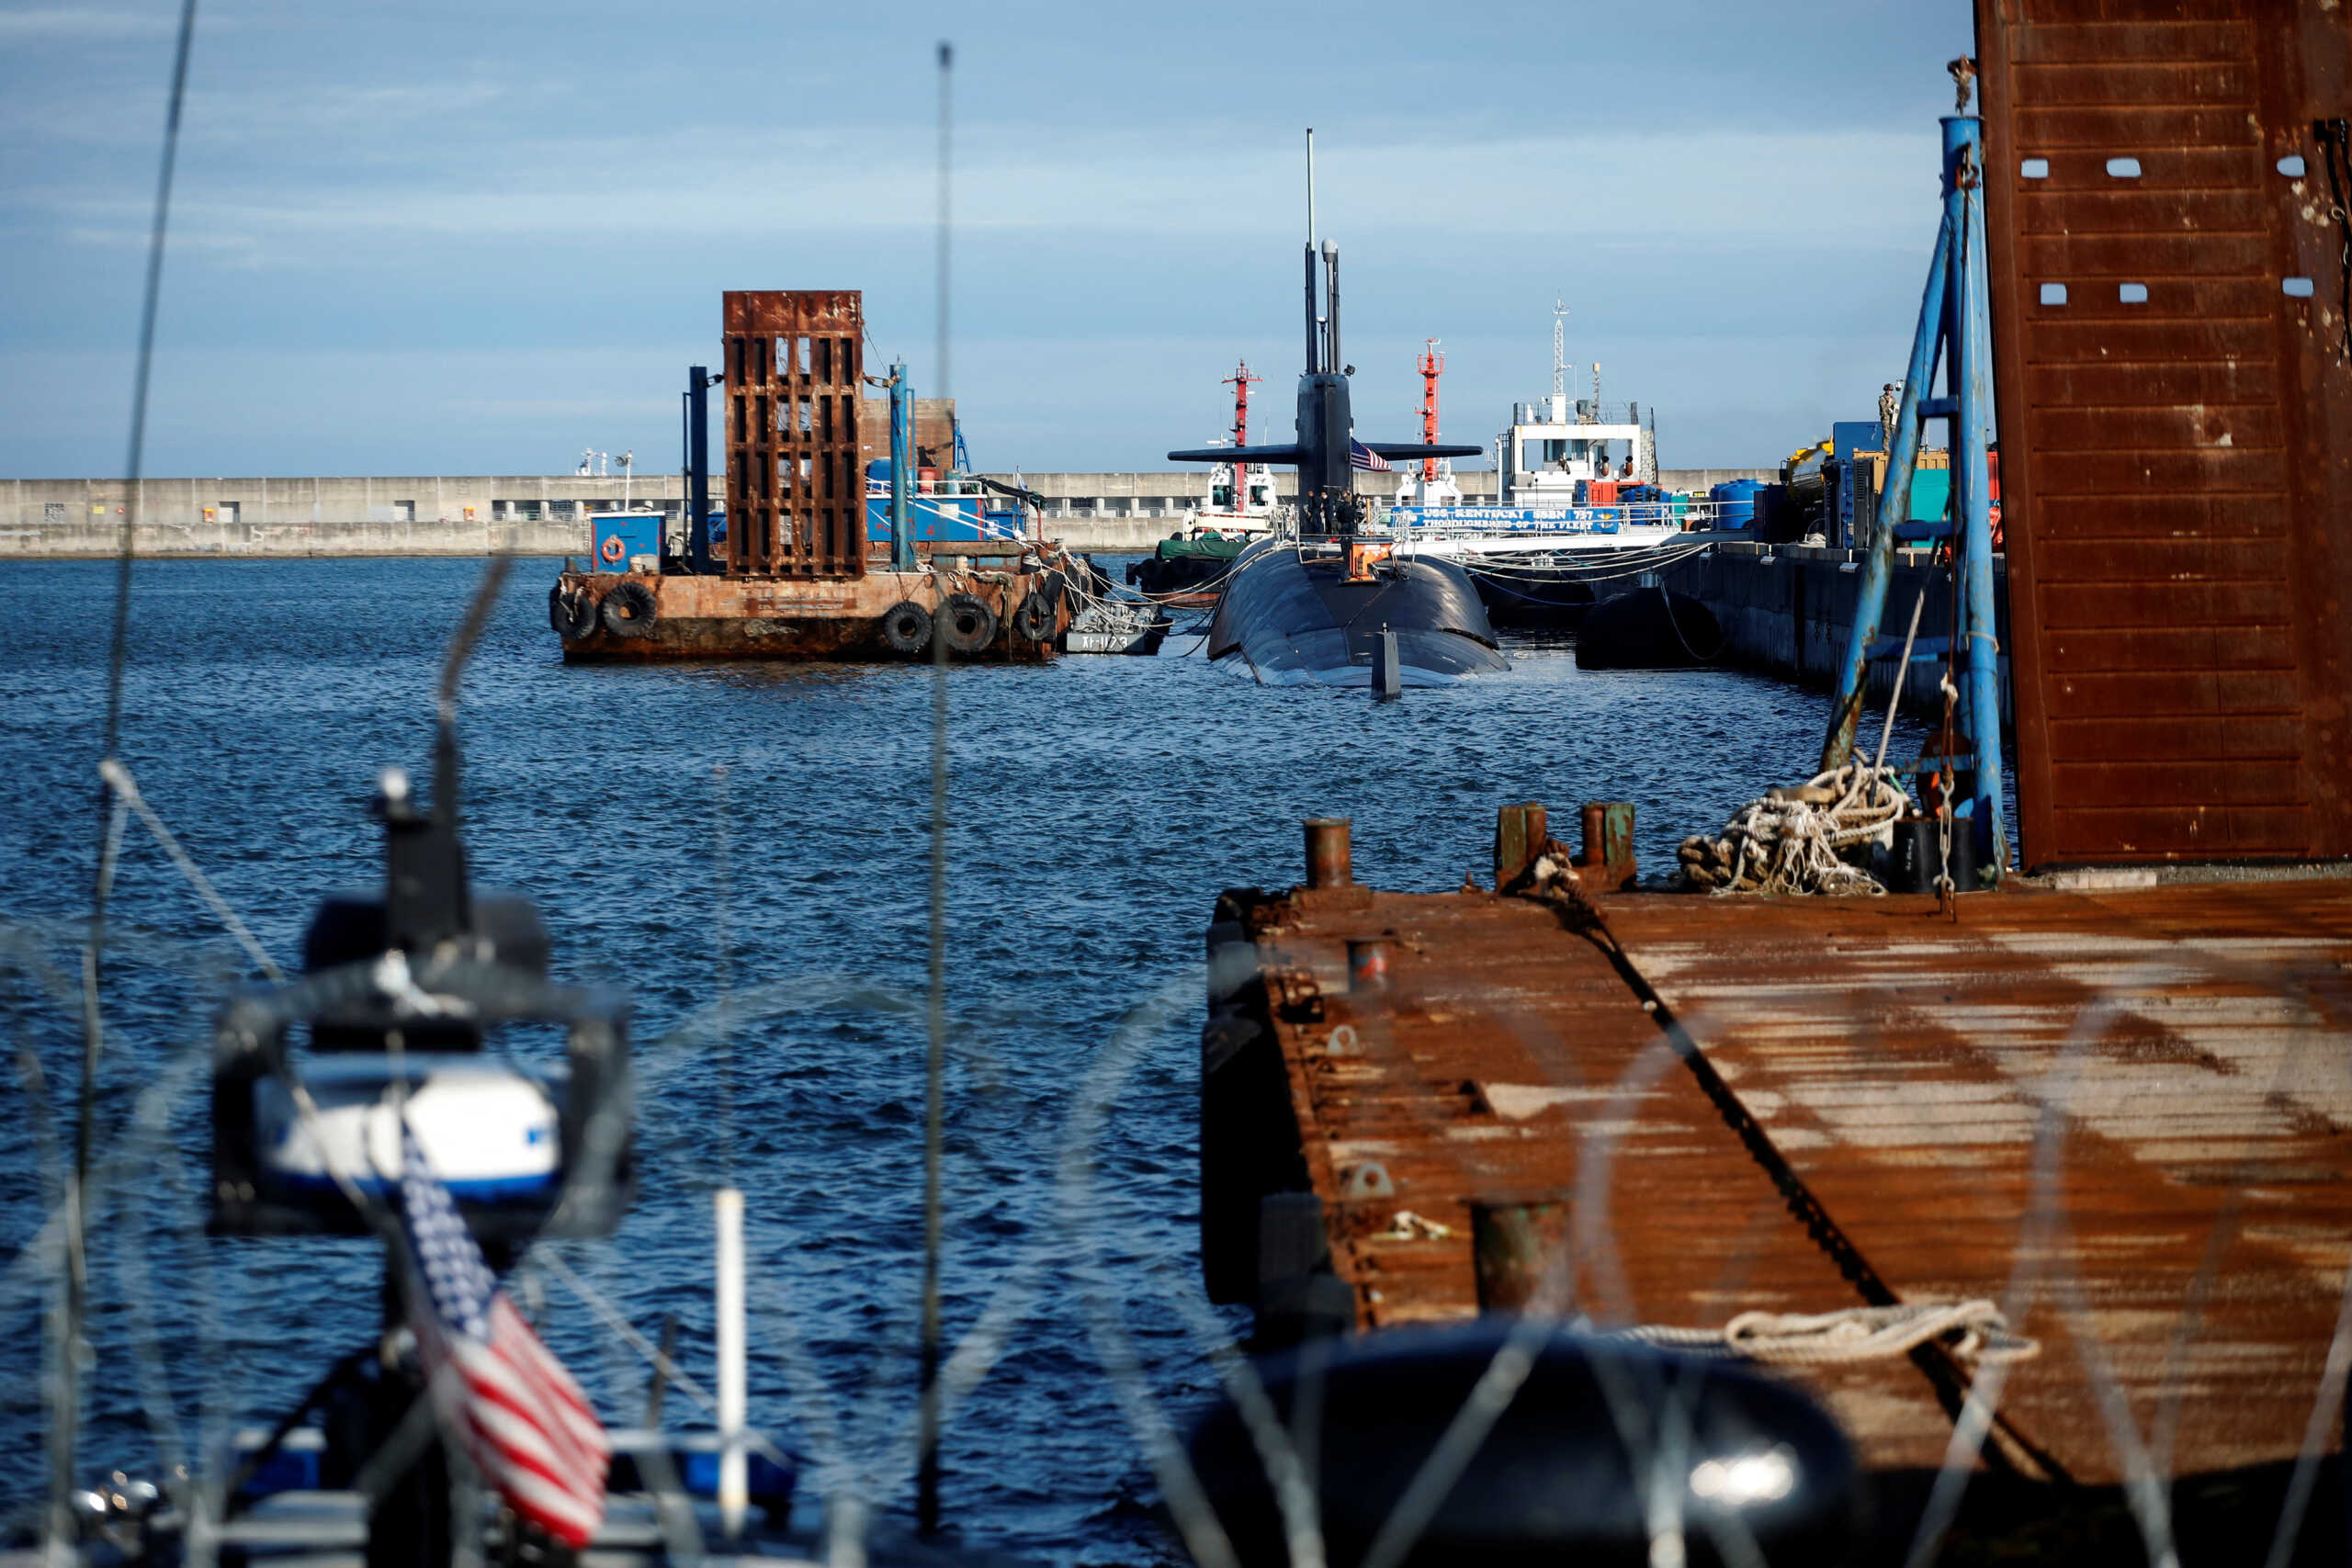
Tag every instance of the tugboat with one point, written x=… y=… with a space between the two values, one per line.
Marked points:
x=1335 y=606
x=1192 y=564
x=1571 y=526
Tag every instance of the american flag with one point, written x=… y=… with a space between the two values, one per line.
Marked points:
x=1363 y=457
x=522 y=1419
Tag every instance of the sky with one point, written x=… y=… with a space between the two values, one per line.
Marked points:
x=416 y=237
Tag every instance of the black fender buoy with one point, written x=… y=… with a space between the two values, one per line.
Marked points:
x=1034 y=619
x=571 y=612
x=971 y=625
x=629 y=609
x=1560 y=1474
x=906 y=627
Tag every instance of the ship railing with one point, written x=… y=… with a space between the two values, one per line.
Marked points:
x=1692 y=516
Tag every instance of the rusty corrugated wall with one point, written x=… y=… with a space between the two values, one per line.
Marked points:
x=796 y=501
x=2175 y=382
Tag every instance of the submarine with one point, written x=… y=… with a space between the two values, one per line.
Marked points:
x=1335 y=606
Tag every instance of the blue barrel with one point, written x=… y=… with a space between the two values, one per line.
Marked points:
x=1735 y=503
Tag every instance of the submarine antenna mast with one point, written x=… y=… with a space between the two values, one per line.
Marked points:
x=1331 y=360
x=1313 y=364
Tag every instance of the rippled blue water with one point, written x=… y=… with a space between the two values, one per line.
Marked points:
x=1098 y=806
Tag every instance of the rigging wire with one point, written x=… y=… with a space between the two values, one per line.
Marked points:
x=935 y=1056
x=66 y=1393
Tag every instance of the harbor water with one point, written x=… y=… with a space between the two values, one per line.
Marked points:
x=746 y=847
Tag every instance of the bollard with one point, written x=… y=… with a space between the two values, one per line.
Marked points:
x=1329 y=859
x=1367 y=964
x=1514 y=1240
x=1519 y=831
x=1606 y=860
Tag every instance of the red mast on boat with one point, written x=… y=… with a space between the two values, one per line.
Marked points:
x=1241 y=381
x=1432 y=366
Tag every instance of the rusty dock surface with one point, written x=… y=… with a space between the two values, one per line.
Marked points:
x=2123 y=1114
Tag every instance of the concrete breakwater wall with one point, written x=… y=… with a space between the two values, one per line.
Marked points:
x=1789 y=609
x=529 y=514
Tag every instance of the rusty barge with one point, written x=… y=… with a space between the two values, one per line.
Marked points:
x=2103 y=1104
x=800 y=574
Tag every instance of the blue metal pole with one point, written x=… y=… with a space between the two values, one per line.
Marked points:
x=902 y=438
x=1971 y=501
x=1894 y=501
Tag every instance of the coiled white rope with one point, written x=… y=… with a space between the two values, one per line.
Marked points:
x=1854 y=1334
x=1789 y=841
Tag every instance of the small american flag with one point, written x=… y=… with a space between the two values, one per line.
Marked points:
x=1363 y=457
x=521 y=1417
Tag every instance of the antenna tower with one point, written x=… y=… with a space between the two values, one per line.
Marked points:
x=1241 y=381
x=1432 y=366
x=1559 y=349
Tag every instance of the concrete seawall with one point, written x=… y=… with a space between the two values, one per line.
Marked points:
x=526 y=514
x=1789 y=609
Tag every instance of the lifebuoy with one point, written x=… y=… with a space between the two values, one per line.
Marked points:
x=1034 y=619
x=611 y=548
x=906 y=627
x=971 y=625
x=571 y=612
x=629 y=609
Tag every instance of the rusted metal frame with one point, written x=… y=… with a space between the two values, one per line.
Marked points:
x=794 y=366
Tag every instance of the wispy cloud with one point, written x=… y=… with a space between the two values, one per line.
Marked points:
x=78 y=23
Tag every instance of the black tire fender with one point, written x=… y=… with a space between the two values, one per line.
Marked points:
x=1034 y=619
x=906 y=627
x=629 y=609
x=971 y=625
x=571 y=611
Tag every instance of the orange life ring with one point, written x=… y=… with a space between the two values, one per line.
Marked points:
x=611 y=549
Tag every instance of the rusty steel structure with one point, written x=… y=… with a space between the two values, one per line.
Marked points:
x=796 y=500
x=2168 y=243
x=2119 y=1114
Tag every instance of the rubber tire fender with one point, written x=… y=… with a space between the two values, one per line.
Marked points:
x=629 y=609
x=571 y=611
x=971 y=625
x=1034 y=619
x=906 y=627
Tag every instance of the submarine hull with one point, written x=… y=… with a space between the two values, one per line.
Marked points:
x=1301 y=621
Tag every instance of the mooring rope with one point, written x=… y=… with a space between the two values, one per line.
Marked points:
x=1854 y=1334
x=1790 y=840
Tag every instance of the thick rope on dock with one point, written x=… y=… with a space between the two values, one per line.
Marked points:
x=1790 y=840
x=1856 y=1334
